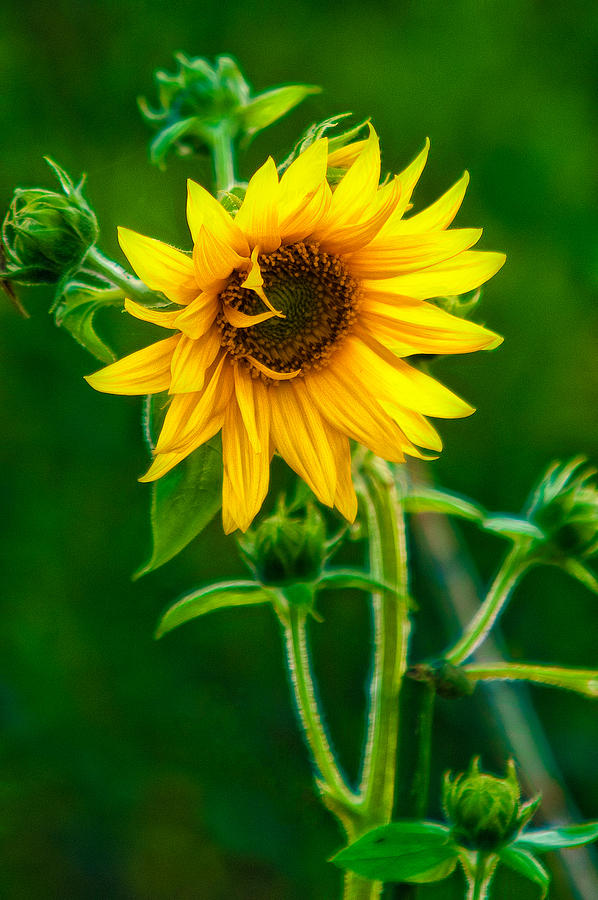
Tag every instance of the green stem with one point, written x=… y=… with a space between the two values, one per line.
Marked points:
x=584 y=681
x=223 y=158
x=513 y=567
x=478 y=882
x=332 y=783
x=131 y=287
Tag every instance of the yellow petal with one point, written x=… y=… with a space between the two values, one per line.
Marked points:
x=436 y=217
x=349 y=238
x=345 y=498
x=199 y=315
x=247 y=470
x=344 y=157
x=413 y=425
x=351 y=409
x=356 y=190
x=300 y=436
x=240 y=319
x=409 y=178
x=246 y=389
x=203 y=209
x=214 y=259
x=454 y=276
x=258 y=216
x=160 y=266
x=254 y=281
x=304 y=221
x=302 y=181
x=185 y=423
x=191 y=360
x=423 y=329
x=165 y=318
x=272 y=373
x=397 y=381
x=146 y=371
x=386 y=257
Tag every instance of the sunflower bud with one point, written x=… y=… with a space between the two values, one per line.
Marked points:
x=45 y=234
x=564 y=506
x=200 y=102
x=485 y=811
x=284 y=550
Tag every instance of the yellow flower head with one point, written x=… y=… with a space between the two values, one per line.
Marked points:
x=293 y=320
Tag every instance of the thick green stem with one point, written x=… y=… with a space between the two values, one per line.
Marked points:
x=513 y=567
x=478 y=882
x=131 y=287
x=331 y=780
x=223 y=158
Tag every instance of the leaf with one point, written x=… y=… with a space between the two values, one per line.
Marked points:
x=559 y=838
x=164 y=140
x=75 y=311
x=266 y=108
x=184 y=502
x=425 y=499
x=349 y=578
x=512 y=527
x=527 y=865
x=402 y=851
x=207 y=599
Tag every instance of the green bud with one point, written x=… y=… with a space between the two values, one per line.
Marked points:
x=200 y=101
x=484 y=811
x=285 y=549
x=564 y=506
x=448 y=681
x=45 y=234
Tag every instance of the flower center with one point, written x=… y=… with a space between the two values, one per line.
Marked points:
x=317 y=296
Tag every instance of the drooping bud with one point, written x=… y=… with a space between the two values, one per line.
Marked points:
x=46 y=234
x=200 y=102
x=485 y=811
x=286 y=549
x=564 y=506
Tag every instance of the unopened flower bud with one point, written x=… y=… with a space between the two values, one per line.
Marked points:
x=285 y=549
x=45 y=234
x=483 y=810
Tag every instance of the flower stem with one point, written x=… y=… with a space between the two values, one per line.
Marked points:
x=116 y=275
x=332 y=783
x=513 y=567
x=223 y=158
x=584 y=681
x=478 y=882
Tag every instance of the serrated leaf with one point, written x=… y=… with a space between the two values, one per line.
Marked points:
x=164 y=140
x=559 y=838
x=426 y=499
x=527 y=865
x=207 y=599
x=512 y=527
x=401 y=851
x=266 y=108
x=348 y=578
x=184 y=502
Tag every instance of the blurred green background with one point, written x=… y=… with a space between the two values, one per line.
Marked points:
x=134 y=769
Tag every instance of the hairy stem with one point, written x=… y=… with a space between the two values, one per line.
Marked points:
x=131 y=287
x=223 y=158
x=513 y=567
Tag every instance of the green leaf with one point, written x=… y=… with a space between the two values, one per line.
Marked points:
x=512 y=527
x=207 y=599
x=75 y=311
x=164 y=140
x=527 y=865
x=184 y=501
x=559 y=838
x=349 y=578
x=266 y=108
x=426 y=499
x=402 y=851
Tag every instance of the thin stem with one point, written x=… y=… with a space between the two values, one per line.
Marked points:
x=513 y=567
x=332 y=780
x=223 y=158
x=478 y=882
x=116 y=275
x=584 y=681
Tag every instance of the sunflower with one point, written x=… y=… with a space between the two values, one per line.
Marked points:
x=291 y=324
